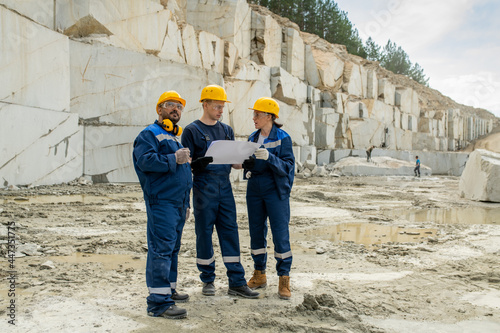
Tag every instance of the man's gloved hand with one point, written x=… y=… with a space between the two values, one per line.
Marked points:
x=262 y=154
x=248 y=174
x=249 y=163
x=182 y=156
x=201 y=163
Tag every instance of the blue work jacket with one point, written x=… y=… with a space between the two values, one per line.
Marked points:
x=281 y=161
x=161 y=178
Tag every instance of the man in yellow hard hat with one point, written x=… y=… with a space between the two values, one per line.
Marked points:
x=162 y=165
x=213 y=199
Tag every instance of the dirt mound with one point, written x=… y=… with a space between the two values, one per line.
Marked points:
x=490 y=141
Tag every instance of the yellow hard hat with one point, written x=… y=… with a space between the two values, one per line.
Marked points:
x=214 y=92
x=267 y=105
x=171 y=96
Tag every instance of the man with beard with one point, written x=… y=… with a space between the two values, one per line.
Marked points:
x=162 y=165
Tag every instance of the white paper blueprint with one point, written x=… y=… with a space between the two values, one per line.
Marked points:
x=231 y=152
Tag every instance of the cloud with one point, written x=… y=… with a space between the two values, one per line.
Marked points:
x=414 y=24
x=456 y=42
x=478 y=90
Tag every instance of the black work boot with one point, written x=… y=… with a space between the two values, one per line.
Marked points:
x=243 y=291
x=208 y=289
x=179 y=298
x=173 y=312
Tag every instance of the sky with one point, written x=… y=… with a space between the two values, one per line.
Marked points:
x=456 y=42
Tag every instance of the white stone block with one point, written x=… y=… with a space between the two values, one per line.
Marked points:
x=405 y=99
x=69 y=12
x=34 y=64
x=307 y=153
x=293 y=53
x=230 y=58
x=397 y=117
x=287 y=88
x=266 y=40
x=366 y=132
x=353 y=83
x=228 y=19
x=117 y=86
x=191 y=49
x=404 y=121
x=40 y=11
x=243 y=95
x=212 y=51
x=386 y=91
x=172 y=48
x=178 y=7
x=324 y=69
x=327 y=121
x=379 y=110
x=248 y=70
x=108 y=153
x=311 y=69
x=49 y=151
x=296 y=123
x=480 y=180
x=372 y=85
x=325 y=157
x=402 y=139
x=356 y=109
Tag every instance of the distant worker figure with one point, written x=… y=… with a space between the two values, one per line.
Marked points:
x=270 y=178
x=417 y=167
x=369 y=153
x=162 y=165
x=213 y=199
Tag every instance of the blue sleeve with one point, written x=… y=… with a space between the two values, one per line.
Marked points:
x=187 y=140
x=148 y=158
x=283 y=164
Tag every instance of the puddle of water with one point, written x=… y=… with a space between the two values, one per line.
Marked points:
x=108 y=261
x=369 y=234
x=471 y=215
x=83 y=198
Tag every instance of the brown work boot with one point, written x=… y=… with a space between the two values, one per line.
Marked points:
x=284 y=287
x=258 y=280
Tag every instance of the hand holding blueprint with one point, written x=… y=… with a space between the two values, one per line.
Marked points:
x=231 y=152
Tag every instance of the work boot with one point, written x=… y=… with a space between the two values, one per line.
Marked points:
x=284 y=287
x=243 y=291
x=258 y=280
x=179 y=298
x=208 y=289
x=173 y=312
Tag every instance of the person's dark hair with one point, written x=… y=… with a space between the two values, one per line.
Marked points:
x=275 y=123
x=416 y=157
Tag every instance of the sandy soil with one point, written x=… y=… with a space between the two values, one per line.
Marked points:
x=371 y=254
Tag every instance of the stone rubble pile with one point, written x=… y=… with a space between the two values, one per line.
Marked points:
x=81 y=78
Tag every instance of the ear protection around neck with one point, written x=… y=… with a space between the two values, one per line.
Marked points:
x=171 y=127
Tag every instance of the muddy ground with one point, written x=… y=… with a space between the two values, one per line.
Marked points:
x=370 y=254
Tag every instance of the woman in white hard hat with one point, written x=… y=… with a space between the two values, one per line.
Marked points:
x=270 y=178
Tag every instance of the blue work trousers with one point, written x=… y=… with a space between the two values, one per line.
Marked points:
x=214 y=205
x=164 y=230
x=263 y=203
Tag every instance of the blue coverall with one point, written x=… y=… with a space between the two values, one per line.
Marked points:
x=214 y=205
x=268 y=196
x=166 y=186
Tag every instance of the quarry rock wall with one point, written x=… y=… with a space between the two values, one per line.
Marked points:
x=80 y=79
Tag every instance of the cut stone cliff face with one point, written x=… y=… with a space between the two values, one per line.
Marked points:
x=86 y=75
